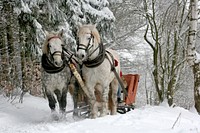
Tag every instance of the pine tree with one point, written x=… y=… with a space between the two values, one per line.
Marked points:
x=25 y=31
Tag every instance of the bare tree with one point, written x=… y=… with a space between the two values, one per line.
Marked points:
x=165 y=35
x=128 y=21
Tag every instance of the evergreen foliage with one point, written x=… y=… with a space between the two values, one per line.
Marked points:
x=23 y=23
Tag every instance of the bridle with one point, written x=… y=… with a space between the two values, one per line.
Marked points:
x=56 y=52
x=89 y=46
x=100 y=57
x=47 y=60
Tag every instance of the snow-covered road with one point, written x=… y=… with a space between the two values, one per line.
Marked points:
x=33 y=116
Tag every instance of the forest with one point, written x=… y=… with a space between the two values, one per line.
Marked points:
x=157 y=39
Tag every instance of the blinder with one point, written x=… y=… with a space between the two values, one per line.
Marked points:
x=84 y=47
x=56 y=52
x=50 y=55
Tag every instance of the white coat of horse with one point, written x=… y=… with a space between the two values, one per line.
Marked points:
x=56 y=74
x=97 y=69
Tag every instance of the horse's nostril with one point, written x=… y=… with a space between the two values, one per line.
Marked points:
x=83 y=56
x=58 y=64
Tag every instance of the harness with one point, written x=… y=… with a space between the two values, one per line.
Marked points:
x=47 y=64
x=100 y=58
x=49 y=67
x=114 y=63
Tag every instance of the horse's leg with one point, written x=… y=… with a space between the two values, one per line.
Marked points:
x=98 y=104
x=52 y=105
x=105 y=101
x=92 y=101
x=75 y=89
x=114 y=89
x=61 y=99
x=51 y=100
x=110 y=99
x=63 y=102
x=94 y=108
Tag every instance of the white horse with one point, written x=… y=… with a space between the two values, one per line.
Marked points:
x=56 y=74
x=97 y=69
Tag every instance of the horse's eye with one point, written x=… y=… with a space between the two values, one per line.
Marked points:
x=88 y=38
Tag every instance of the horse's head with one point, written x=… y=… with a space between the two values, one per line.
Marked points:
x=53 y=47
x=88 y=41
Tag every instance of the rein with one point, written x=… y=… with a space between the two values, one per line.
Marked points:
x=115 y=72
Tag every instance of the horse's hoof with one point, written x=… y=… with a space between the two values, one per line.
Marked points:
x=55 y=116
x=103 y=114
x=114 y=113
x=93 y=116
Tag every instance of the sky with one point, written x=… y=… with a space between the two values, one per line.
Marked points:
x=34 y=116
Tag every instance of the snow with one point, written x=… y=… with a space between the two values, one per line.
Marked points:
x=33 y=116
x=101 y=3
x=104 y=13
x=197 y=57
x=25 y=7
x=127 y=55
x=36 y=24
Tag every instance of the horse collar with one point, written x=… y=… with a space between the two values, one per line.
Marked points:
x=49 y=67
x=98 y=60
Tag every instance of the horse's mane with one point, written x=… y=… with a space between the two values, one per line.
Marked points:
x=48 y=35
x=92 y=28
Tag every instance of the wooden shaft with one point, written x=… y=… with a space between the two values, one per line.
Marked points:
x=78 y=77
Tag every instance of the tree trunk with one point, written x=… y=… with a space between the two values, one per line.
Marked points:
x=10 y=43
x=191 y=55
x=155 y=47
x=196 y=71
x=3 y=58
x=7 y=48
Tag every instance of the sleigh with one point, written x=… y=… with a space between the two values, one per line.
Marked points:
x=81 y=102
x=128 y=98
x=129 y=94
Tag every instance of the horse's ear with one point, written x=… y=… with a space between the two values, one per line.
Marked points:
x=94 y=26
x=61 y=33
x=79 y=25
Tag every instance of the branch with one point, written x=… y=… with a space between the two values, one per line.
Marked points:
x=176 y=120
x=146 y=39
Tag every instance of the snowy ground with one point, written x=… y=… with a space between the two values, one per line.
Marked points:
x=33 y=116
